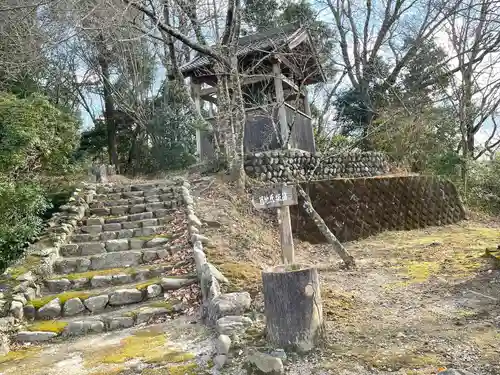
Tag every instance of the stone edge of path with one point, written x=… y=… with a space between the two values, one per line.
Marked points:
x=224 y=311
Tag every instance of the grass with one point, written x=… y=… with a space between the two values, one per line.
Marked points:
x=55 y=326
x=242 y=276
x=63 y=297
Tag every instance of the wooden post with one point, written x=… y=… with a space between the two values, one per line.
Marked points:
x=280 y=100
x=195 y=92
x=307 y=111
x=281 y=198
x=285 y=225
x=293 y=307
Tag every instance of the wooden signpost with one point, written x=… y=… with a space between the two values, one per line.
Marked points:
x=280 y=197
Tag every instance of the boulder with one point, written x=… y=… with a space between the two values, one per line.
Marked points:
x=91 y=248
x=50 y=311
x=229 y=304
x=154 y=290
x=222 y=344
x=266 y=364
x=73 y=306
x=156 y=242
x=96 y=303
x=219 y=361
x=232 y=325
x=125 y=297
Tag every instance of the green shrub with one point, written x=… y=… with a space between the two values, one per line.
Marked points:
x=483 y=185
x=21 y=207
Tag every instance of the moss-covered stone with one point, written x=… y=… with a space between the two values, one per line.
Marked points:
x=145 y=284
x=63 y=297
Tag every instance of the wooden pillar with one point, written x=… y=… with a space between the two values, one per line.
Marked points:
x=195 y=92
x=307 y=111
x=286 y=236
x=280 y=100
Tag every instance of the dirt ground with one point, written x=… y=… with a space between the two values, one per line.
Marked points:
x=418 y=301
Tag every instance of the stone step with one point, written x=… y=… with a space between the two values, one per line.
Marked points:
x=163 y=186
x=165 y=214
x=107 y=202
x=121 y=244
x=116 y=259
x=154 y=195
x=117 y=319
x=119 y=276
x=132 y=209
x=104 y=296
x=150 y=227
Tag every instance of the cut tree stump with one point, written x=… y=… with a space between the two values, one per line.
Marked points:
x=293 y=309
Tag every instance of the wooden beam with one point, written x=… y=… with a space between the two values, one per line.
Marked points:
x=291 y=66
x=195 y=92
x=280 y=99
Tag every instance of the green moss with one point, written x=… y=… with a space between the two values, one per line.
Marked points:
x=169 y=305
x=144 y=285
x=63 y=297
x=17 y=355
x=189 y=369
x=243 y=276
x=55 y=326
x=148 y=345
x=91 y=274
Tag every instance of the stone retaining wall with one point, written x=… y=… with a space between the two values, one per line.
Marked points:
x=357 y=208
x=25 y=277
x=297 y=165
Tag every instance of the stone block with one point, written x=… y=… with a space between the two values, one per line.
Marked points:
x=157 y=242
x=151 y=207
x=125 y=233
x=122 y=278
x=232 y=325
x=58 y=285
x=141 y=216
x=73 y=306
x=149 y=223
x=95 y=221
x=138 y=208
x=116 y=260
x=100 y=211
x=162 y=253
x=136 y=243
x=17 y=310
x=34 y=336
x=101 y=281
x=117 y=219
x=112 y=227
x=91 y=229
x=119 y=210
x=222 y=344
x=117 y=245
x=131 y=225
x=83 y=327
x=50 y=311
x=97 y=303
x=149 y=255
x=125 y=297
x=161 y=213
x=91 y=248
x=106 y=236
x=229 y=304
x=120 y=322
x=154 y=290
x=168 y=283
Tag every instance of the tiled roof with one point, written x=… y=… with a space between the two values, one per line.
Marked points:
x=263 y=41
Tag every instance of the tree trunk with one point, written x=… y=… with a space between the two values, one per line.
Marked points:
x=323 y=228
x=293 y=309
x=109 y=106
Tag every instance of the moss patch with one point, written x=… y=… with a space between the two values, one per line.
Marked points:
x=149 y=346
x=144 y=285
x=169 y=305
x=243 y=276
x=18 y=355
x=63 y=297
x=400 y=360
x=189 y=369
x=55 y=326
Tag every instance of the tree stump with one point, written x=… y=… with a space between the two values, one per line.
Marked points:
x=293 y=308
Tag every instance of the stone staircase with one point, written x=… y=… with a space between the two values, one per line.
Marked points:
x=125 y=264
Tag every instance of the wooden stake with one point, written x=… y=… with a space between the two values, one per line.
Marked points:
x=285 y=225
x=323 y=228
